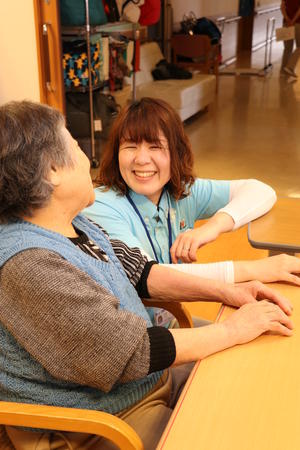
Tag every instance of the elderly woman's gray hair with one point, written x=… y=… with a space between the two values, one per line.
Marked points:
x=31 y=143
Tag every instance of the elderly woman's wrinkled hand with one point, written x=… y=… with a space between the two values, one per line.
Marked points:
x=253 y=319
x=252 y=291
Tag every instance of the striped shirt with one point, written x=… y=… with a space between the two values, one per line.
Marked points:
x=136 y=266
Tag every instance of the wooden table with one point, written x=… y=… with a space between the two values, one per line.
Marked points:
x=244 y=398
x=279 y=230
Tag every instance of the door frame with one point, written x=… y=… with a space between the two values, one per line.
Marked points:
x=49 y=49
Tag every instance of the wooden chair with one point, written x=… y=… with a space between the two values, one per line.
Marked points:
x=70 y=419
x=81 y=420
x=178 y=310
x=200 y=49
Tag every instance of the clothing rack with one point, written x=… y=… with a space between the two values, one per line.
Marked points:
x=85 y=32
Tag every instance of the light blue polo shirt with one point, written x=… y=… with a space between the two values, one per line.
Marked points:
x=117 y=216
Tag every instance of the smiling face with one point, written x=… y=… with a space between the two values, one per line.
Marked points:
x=145 y=137
x=145 y=167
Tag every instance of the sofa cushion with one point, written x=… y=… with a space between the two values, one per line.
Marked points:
x=186 y=96
x=150 y=55
x=180 y=93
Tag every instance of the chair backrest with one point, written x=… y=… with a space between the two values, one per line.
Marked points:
x=191 y=46
x=197 y=47
x=178 y=310
x=68 y=419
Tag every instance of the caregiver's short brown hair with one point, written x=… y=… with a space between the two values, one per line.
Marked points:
x=143 y=120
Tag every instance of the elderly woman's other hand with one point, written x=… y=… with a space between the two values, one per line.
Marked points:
x=244 y=325
x=252 y=291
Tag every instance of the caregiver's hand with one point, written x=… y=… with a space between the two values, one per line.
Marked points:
x=186 y=244
x=275 y=268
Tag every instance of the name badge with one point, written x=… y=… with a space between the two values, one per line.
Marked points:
x=162 y=317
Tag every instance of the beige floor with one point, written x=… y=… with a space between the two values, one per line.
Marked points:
x=252 y=131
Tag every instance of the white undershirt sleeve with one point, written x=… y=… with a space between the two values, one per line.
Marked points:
x=221 y=271
x=249 y=199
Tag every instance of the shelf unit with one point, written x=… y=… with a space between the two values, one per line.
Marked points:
x=108 y=28
x=85 y=32
x=49 y=35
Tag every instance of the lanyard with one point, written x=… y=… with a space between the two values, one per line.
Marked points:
x=146 y=229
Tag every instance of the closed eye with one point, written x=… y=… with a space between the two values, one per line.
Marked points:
x=156 y=147
x=128 y=147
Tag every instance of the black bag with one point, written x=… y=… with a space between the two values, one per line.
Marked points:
x=166 y=71
x=105 y=110
x=188 y=22
x=191 y=25
x=209 y=28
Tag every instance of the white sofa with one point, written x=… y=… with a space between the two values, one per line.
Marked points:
x=186 y=96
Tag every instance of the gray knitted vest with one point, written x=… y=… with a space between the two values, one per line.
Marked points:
x=22 y=378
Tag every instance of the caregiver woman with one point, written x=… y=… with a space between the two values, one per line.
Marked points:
x=149 y=198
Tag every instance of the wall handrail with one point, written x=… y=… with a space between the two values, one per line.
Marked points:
x=227 y=19
x=259 y=12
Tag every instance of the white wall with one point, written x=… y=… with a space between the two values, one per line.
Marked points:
x=219 y=8
x=266 y=3
x=19 y=66
x=204 y=8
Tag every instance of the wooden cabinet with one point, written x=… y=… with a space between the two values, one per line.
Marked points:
x=47 y=22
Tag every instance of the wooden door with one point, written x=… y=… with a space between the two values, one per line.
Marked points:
x=47 y=23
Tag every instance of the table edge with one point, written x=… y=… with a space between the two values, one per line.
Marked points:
x=271 y=246
x=169 y=426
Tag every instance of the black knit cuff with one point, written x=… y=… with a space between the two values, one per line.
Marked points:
x=162 y=348
x=141 y=287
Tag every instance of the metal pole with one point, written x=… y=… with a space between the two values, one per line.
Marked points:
x=267 y=44
x=271 y=39
x=94 y=162
x=136 y=35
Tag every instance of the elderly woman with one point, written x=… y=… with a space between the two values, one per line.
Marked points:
x=73 y=329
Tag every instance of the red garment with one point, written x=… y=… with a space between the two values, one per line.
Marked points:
x=292 y=7
x=136 y=56
x=150 y=12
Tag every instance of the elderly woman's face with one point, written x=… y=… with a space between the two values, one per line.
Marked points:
x=76 y=183
x=145 y=167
